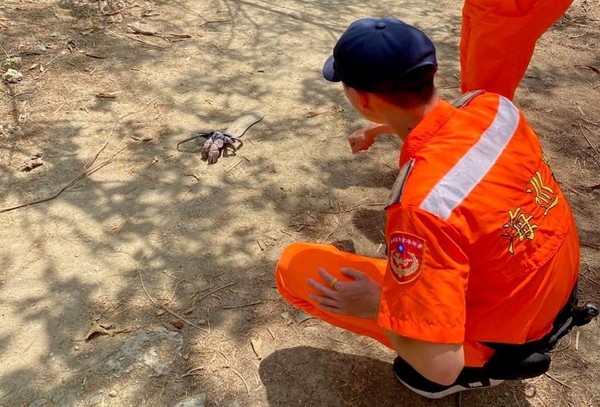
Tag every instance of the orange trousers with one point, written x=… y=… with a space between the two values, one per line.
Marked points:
x=498 y=39
x=301 y=261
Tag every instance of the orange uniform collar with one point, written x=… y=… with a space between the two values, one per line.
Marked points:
x=424 y=131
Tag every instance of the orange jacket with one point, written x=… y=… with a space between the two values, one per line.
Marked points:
x=482 y=246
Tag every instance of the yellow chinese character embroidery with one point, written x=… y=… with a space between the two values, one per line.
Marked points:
x=519 y=226
x=544 y=195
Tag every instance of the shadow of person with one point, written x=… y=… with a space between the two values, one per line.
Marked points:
x=307 y=376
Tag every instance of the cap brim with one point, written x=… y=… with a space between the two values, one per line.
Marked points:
x=329 y=71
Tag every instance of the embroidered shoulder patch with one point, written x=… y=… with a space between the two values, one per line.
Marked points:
x=405 y=256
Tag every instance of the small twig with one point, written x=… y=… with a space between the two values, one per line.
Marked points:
x=214 y=22
x=577 y=192
x=81 y=176
x=270 y=333
x=591 y=280
x=589 y=121
x=577 y=341
x=558 y=381
x=591 y=68
x=339 y=222
x=166 y=36
x=242 y=305
x=156 y=303
x=241 y=377
x=262 y=249
x=592 y=245
x=335 y=340
x=133 y=37
x=586 y=138
x=233 y=166
x=212 y=292
x=174 y=291
x=192 y=371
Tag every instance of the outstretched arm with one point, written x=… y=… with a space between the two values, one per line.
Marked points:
x=363 y=138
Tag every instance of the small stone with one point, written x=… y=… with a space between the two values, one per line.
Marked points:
x=76 y=347
x=285 y=315
x=186 y=357
x=38 y=403
x=194 y=401
x=113 y=393
x=202 y=322
x=12 y=76
x=95 y=400
x=301 y=317
x=39 y=48
x=160 y=312
x=234 y=404
x=12 y=63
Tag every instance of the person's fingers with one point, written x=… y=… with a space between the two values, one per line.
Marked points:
x=321 y=288
x=329 y=279
x=352 y=273
x=324 y=300
x=333 y=310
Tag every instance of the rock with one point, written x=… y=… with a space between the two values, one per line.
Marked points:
x=65 y=399
x=234 y=404
x=38 y=403
x=153 y=350
x=95 y=400
x=285 y=315
x=12 y=63
x=202 y=322
x=295 y=14
x=301 y=317
x=112 y=393
x=39 y=48
x=194 y=401
x=160 y=312
x=12 y=76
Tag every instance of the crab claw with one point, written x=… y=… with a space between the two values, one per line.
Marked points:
x=214 y=153
x=206 y=148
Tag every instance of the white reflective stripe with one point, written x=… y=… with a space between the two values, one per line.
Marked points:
x=458 y=183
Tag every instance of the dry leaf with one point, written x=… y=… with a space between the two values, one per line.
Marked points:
x=178 y=323
x=108 y=95
x=98 y=329
x=256 y=344
x=323 y=110
x=591 y=68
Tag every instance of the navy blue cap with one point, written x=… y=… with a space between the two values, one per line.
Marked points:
x=381 y=55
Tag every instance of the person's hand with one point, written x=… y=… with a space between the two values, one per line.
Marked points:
x=363 y=138
x=359 y=297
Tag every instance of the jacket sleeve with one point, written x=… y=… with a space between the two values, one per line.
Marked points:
x=424 y=288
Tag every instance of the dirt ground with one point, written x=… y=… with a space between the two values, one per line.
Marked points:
x=165 y=264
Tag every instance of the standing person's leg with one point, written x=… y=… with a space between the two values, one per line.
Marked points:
x=498 y=40
x=301 y=261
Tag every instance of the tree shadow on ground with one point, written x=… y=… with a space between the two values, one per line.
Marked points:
x=153 y=214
